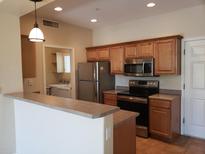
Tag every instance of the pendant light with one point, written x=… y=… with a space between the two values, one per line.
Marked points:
x=36 y=35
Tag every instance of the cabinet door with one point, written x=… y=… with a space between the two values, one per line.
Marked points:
x=165 y=57
x=110 y=99
x=117 y=60
x=160 y=121
x=130 y=51
x=103 y=54
x=145 y=49
x=92 y=55
x=28 y=57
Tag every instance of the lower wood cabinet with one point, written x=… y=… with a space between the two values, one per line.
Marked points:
x=124 y=133
x=164 y=118
x=160 y=121
x=117 y=60
x=110 y=99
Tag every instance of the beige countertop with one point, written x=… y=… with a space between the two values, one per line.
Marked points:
x=122 y=115
x=78 y=107
x=164 y=97
x=112 y=91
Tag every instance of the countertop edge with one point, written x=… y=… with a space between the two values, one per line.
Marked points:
x=79 y=113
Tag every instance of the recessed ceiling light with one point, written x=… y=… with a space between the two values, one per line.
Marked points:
x=58 y=9
x=93 y=20
x=151 y=4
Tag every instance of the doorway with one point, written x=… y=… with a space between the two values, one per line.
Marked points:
x=59 y=71
x=194 y=104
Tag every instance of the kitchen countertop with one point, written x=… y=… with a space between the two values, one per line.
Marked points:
x=122 y=115
x=78 y=107
x=164 y=97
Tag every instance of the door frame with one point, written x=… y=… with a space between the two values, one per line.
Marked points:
x=183 y=79
x=73 y=68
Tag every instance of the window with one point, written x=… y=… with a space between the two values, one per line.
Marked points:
x=67 y=64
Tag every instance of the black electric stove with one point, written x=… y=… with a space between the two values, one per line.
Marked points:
x=136 y=100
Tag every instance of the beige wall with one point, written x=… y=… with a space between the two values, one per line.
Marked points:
x=187 y=22
x=67 y=36
x=10 y=78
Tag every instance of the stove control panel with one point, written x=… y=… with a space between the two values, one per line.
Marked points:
x=144 y=83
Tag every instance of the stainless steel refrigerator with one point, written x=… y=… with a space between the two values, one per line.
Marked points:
x=93 y=79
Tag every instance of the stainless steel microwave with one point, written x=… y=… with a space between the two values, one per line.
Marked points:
x=139 y=67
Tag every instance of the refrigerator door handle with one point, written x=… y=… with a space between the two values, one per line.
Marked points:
x=94 y=74
x=96 y=92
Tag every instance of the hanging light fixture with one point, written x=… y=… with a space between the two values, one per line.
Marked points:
x=36 y=35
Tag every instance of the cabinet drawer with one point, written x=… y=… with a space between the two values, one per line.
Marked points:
x=110 y=97
x=160 y=103
x=110 y=102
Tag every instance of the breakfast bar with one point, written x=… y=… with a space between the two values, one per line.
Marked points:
x=49 y=124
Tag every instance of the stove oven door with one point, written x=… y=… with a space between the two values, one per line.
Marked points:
x=140 y=105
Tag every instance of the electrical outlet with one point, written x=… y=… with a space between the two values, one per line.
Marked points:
x=107 y=133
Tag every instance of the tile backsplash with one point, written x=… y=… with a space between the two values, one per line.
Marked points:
x=166 y=82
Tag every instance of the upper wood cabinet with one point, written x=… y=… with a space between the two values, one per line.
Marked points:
x=145 y=49
x=28 y=57
x=103 y=54
x=167 y=56
x=165 y=50
x=130 y=51
x=92 y=55
x=117 y=60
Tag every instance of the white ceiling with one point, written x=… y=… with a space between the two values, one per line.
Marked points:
x=79 y=12
x=19 y=7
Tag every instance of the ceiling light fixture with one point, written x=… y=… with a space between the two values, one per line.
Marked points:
x=93 y=20
x=58 y=9
x=36 y=35
x=151 y=4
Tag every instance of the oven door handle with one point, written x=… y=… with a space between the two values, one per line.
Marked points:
x=132 y=99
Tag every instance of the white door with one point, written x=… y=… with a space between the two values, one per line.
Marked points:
x=195 y=88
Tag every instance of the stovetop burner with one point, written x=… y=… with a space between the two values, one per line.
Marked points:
x=141 y=88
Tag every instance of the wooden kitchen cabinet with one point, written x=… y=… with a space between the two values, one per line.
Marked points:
x=92 y=55
x=166 y=52
x=117 y=59
x=160 y=121
x=110 y=99
x=164 y=115
x=28 y=52
x=168 y=56
x=145 y=49
x=103 y=54
x=124 y=132
x=130 y=51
